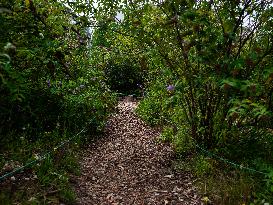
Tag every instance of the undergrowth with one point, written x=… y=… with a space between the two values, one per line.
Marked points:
x=50 y=90
x=218 y=181
x=220 y=184
x=48 y=180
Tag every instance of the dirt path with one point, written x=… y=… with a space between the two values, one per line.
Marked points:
x=128 y=166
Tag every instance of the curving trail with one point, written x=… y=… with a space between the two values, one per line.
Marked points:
x=128 y=166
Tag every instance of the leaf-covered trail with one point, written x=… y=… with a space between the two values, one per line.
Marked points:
x=128 y=166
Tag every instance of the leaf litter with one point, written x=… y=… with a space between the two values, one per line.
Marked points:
x=129 y=166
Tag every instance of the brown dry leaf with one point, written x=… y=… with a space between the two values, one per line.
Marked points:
x=128 y=166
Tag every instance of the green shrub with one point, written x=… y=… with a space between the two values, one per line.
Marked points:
x=183 y=143
x=167 y=134
x=155 y=107
x=202 y=166
x=50 y=91
x=124 y=71
x=125 y=77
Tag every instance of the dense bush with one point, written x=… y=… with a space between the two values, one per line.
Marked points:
x=49 y=89
x=47 y=78
x=124 y=77
x=124 y=70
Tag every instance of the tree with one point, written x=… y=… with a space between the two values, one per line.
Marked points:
x=217 y=53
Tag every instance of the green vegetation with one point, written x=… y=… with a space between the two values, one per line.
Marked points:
x=124 y=71
x=208 y=83
x=50 y=91
x=204 y=67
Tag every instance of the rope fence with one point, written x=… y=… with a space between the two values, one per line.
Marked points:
x=44 y=156
x=212 y=155
x=222 y=159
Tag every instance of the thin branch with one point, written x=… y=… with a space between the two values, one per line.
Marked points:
x=244 y=41
x=237 y=24
x=219 y=18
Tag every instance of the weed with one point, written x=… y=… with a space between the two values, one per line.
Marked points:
x=223 y=185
